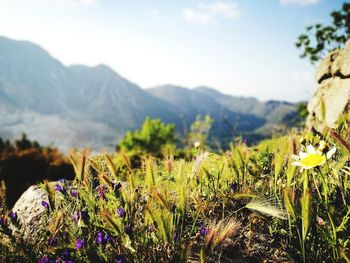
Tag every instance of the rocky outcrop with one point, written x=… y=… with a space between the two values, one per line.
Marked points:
x=31 y=214
x=332 y=98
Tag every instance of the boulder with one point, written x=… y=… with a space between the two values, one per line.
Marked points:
x=31 y=214
x=332 y=98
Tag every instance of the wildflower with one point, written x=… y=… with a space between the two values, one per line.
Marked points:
x=320 y=221
x=203 y=231
x=74 y=193
x=121 y=212
x=45 y=204
x=233 y=186
x=58 y=188
x=197 y=144
x=79 y=243
x=52 y=241
x=120 y=258
x=65 y=256
x=44 y=259
x=12 y=216
x=128 y=230
x=61 y=180
x=176 y=236
x=312 y=158
x=99 y=238
x=2 y=221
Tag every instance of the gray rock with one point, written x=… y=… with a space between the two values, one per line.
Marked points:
x=31 y=214
x=32 y=217
x=332 y=98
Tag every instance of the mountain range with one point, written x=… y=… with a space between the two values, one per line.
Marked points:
x=80 y=106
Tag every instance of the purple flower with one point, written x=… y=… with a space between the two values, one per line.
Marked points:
x=120 y=258
x=128 y=230
x=61 y=180
x=99 y=238
x=79 y=243
x=176 y=237
x=12 y=215
x=233 y=186
x=121 y=212
x=60 y=189
x=45 y=204
x=203 y=231
x=2 y=221
x=52 y=241
x=44 y=259
x=66 y=256
x=74 y=193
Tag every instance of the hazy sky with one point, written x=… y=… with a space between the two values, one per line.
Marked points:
x=240 y=47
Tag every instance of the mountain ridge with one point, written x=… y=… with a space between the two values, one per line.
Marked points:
x=35 y=85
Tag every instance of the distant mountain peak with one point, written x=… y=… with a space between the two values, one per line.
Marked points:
x=96 y=102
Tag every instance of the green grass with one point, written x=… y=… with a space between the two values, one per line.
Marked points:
x=211 y=208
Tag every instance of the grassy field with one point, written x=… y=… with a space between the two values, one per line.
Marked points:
x=284 y=200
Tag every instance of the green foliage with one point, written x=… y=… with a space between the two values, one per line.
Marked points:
x=212 y=208
x=320 y=39
x=152 y=137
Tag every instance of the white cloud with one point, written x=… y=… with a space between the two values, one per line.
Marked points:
x=300 y=2
x=209 y=13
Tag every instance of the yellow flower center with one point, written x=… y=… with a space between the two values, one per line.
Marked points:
x=312 y=160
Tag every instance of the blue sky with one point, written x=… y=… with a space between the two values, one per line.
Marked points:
x=240 y=47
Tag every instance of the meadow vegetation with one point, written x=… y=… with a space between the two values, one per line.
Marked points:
x=283 y=200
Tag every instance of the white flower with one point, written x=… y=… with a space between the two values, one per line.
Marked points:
x=312 y=158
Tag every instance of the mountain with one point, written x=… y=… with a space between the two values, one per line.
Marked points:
x=79 y=106
x=245 y=105
x=273 y=111
x=248 y=116
x=34 y=84
x=189 y=103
